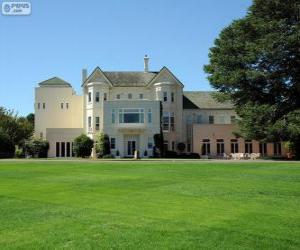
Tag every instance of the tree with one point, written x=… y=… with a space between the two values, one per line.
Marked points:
x=181 y=147
x=255 y=63
x=83 y=146
x=17 y=128
x=37 y=148
x=7 y=147
x=102 y=145
x=158 y=144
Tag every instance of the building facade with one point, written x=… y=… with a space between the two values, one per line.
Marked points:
x=131 y=107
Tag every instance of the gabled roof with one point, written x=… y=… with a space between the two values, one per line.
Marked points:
x=97 y=76
x=164 y=75
x=203 y=100
x=55 y=81
x=130 y=78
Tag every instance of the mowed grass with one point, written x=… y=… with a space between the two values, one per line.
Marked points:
x=149 y=205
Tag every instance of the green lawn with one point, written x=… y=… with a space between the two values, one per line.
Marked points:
x=149 y=205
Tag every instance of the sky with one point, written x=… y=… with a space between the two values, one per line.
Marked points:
x=61 y=37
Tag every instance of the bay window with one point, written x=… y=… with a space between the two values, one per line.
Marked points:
x=131 y=115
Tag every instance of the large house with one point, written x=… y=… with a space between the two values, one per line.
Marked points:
x=131 y=107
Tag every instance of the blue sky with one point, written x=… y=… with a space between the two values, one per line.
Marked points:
x=61 y=37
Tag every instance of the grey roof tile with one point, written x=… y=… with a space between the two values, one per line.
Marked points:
x=130 y=78
x=203 y=100
x=55 y=81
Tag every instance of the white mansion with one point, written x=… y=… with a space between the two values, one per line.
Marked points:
x=131 y=107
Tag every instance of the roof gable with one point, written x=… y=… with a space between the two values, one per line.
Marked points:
x=97 y=76
x=165 y=75
x=54 y=81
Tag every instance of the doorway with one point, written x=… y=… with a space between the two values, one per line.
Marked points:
x=131 y=147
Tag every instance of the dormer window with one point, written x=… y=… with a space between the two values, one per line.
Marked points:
x=61 y=105
x=105 y=97
x=129 y=96
x=44 y=105
x=67 y=105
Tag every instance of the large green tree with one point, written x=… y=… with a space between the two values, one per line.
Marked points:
x=255 y=63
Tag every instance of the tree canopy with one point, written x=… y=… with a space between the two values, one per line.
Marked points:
x=255 y=63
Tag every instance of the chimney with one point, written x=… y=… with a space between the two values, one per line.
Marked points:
x=146 y=63
x=84 y=75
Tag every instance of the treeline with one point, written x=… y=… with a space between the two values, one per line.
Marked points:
x=16 y=136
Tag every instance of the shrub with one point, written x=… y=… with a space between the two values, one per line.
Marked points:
x=171 y=154
x=20 y=153
x=181 y=146
x=102 y=145
x=107 y=157
x=7 y=147
x=37 y=148
x=83 y=146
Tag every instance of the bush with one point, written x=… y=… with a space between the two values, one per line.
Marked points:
x=107 y=157
x=181 y=146
x=37 y=148
x=20 y=153
x=83 y=146
x=102 y=145
x=171 y=154
x=7 y=147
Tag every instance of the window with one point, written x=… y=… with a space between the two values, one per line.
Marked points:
x=61 y=105
x=63 y=149
x=232 y=119
x=97 y=123
x=97 y=98
x=118 y=96
x=199 y=119
x=89 y=122
x=173 y=146
x=39 y=105
x=277 y=148
x=205 y=147
x=234 y=146
x=172 y=97
x=172 y=121
x=220 y=146
x=105 y=97
x=90 y=97
x=57 y=149
x=131 y=115
x=73 y=151
x=165 y=96
x=211 y=119
x=68 y=149
x=113 y=116
x=149 y=116
x=113 y=143
x=263 y=148
x=129 y=96
x=189 y=119
x=166 y=146
x=248 y=147
x=44 y=105
x=67 y=105
x=150 y=142
x=188 y=148
x=141 y=96
x=168 y=121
